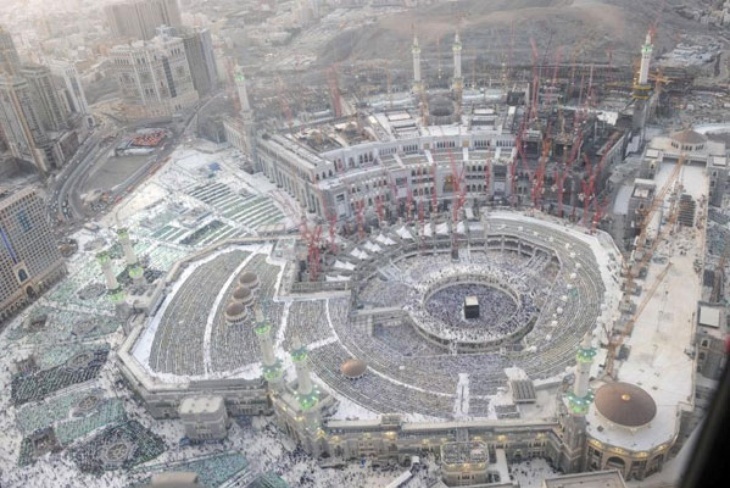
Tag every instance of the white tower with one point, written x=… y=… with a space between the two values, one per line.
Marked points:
x=242 y=94
x=133 y=267
x=113 y=289
x=582 y=396
x=273 y=372
x=416 y=50
x=307 y=396
x=646 y=51
x=458 y=82
x=300 y=356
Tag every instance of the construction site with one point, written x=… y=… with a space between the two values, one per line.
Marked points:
x=453 y=270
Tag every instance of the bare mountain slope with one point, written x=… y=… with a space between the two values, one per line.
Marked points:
x=495 y=29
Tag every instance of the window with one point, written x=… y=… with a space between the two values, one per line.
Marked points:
x=24 y=221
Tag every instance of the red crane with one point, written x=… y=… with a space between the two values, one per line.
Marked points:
x=588 y=192
x=394 y=192
x=599 y=214
x=434 y=192
x=314 y=253
x=487 y=175
x=519 y=157
x=535 y=82
x=360 y=216
x=560 y=175
x=232 y=88
x=409 y=205
x=422 y=223
x=334 y=86
x=556 y=69
x=538 y=181
x=284 y=103
x=458 y=187
x=574 y=152
x=379 y=210
x=311 y=235
x=589 y=187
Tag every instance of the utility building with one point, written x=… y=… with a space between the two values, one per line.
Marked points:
x=201 y=59
x=29 y=258
x=154 y=76
x=21 y=125
x=139 y=19
x=49 y=105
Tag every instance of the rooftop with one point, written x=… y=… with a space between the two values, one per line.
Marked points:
x=625 y=404
x=598 y=479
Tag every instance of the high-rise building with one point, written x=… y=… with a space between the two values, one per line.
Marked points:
x=29 y=258
x=154 y=77
x=50 y=107
x=139 y=19
x=21 y=125
x=9 y=59
x=201 y=58
x=74 y=91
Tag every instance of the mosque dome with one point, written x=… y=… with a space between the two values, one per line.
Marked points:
x=353 y=368
x=249 y=280
x=625 y=404
x=688 y=140
x=243 y=295
x=235 y=313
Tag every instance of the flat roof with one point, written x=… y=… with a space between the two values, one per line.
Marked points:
x=597 y=479
x=709 y=316
x=657 y=361
x=201 y=404
x=471 y=301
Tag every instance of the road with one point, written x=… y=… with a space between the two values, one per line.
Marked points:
x=65 y=205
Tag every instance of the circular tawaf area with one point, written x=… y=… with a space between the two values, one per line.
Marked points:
x=492 y=306
x=473 y=312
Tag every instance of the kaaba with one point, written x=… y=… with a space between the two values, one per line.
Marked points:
x=471 y=307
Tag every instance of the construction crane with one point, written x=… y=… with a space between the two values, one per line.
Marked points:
x=645 y=255
x=538 y=180
x=535 y=82
x=434 y=193
x=360 y=216
x=379 y=210
x=311 y=236
x=409 y=204
x=589 y=186
x=647 y=214
x=284 y=103
x=487 y=176
x=599 y=214
x=232 y=91
x=459 y=189
x=616 y=340
x=719 y=282
x=331 y=216
x=334 y=87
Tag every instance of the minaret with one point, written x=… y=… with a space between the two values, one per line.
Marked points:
x=307 y=395
x=582 y=396
x=646 y=51
x=417 y=82
x=242 y=94
x=113 y=289
x=578 y=400
x=307 y=398
x=273 y=372
x=133 y=267
x=247 y=116
x=458 y=81
x=642 y=88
